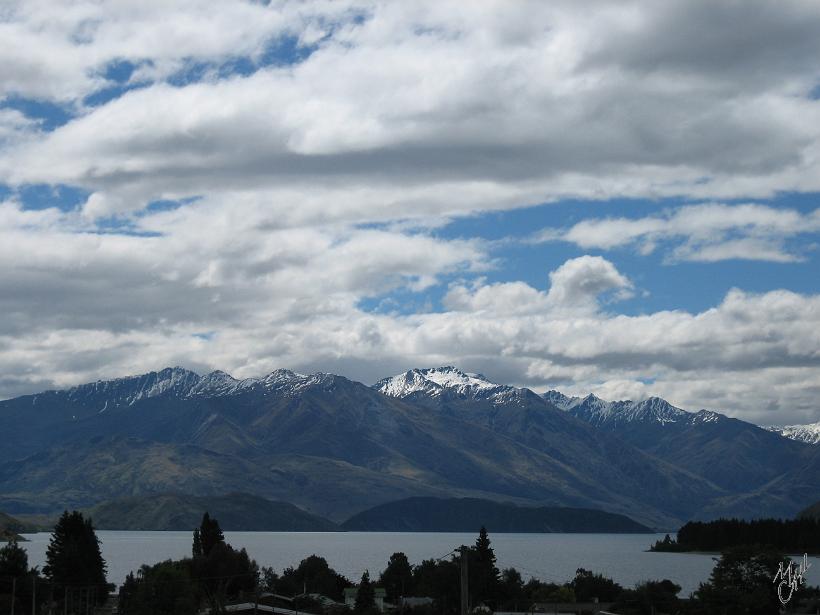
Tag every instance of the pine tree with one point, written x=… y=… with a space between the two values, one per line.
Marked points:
x=73 y=557
x=485 y=575
x=365 y=596
x=210 y=534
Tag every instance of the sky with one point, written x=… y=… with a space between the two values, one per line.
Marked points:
x=619 y=198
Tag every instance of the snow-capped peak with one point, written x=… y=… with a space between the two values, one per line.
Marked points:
x=597 y=411
x=561 y=401
x=659 y=410
x=218 y=383
x=802 y=433
x=437 y=380
x=126 y=391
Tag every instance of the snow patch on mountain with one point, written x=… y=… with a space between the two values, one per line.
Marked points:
x=181 y=383
x=437 y=381
x=129 y=390
x=802 y=433
x=597 y=411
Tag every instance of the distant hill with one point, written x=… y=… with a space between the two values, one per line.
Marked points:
x=425 y=514
x=235 y=511
x=11 y=528
x=811 y=512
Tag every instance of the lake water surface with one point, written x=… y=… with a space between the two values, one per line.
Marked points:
x=549 y=557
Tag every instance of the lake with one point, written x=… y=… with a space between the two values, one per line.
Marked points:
x=549 y=557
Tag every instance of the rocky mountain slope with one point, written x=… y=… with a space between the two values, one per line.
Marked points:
x=810 y=434
x=335 y=447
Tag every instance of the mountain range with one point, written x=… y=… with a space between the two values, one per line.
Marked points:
x=335 y=447
x=802 y=433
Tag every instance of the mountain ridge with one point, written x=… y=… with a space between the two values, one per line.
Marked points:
x=808 y=433
x=335 y=447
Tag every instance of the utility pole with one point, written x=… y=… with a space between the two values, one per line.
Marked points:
x=34 y=594
x=13 y=588
x=463 y=550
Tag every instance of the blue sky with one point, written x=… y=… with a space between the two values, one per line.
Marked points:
x=596 y=202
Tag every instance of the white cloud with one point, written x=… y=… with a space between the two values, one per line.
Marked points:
x=407 y=114
x=534 y=104
x=707 y=232
x=578 y=282
x=87 y=306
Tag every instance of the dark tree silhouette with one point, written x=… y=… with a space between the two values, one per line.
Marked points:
x=13 y=560
x=17 y=578
x=162 y=589
x=742 y=582
x=483 y=571
x=397 y=578
x=210 y=534
x=440 y=580
x=74 y=564
x=314 y=575
x=365 y=595
x=588 y=585
x=222 y=572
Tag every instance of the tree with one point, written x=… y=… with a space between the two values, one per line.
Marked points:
x=397 y=578
x=220 y=571
x=74 y=563
x=314 y=575
x=588 y=586
x=15 y=577
x=210 y=534
x=440 y=580
x=648 y=598
x=483 y=572
x=511 y=594
x=365 y=595
x=162 y=589
x=13 y=560
x=269 y=579
x=742 y=582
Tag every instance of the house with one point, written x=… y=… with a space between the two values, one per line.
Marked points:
x=378 y=596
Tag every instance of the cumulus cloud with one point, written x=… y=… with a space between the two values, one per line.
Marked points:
x=310 y=183
x=534 y=104
x=707 y=232
x=240 y=297
x=578 y=282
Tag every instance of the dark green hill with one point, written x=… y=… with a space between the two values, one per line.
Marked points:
x=424 y=514
x=235 y=511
